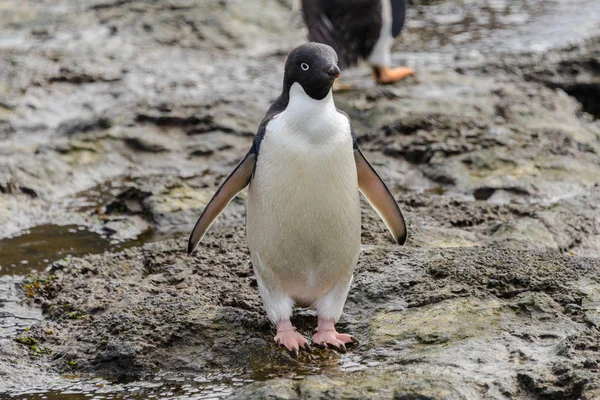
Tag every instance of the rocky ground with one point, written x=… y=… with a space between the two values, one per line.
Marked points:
x=123 y=117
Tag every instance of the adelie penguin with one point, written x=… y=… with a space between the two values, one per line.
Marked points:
x=304 y=172
x=359 y=30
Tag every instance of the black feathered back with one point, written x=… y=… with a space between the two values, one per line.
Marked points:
x=351 y=27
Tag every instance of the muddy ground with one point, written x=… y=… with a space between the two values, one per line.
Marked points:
x=119 y=119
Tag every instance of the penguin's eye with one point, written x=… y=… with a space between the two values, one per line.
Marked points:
x=304 y=66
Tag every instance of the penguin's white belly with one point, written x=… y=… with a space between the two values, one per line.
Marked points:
x=303 y=210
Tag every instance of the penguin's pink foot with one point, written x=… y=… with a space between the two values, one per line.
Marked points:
x=290 y=339
x=326 y=335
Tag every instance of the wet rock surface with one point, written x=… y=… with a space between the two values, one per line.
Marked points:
x=492 y=152
x=462 y=322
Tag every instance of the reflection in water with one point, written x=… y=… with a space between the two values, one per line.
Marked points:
x=42 y=245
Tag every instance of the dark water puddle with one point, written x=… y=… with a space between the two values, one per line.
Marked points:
x=40 y=246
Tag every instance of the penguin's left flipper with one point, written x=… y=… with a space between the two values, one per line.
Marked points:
x=377 y=193
x=238 y=180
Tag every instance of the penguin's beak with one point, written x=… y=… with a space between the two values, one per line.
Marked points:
x=334 y=71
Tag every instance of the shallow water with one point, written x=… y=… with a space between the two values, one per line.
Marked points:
x=38 y=247
x=167 y=386
x=15 y=316
x=73 y=388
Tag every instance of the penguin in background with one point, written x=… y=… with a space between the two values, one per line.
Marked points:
x=305 y=172
x=359 y=30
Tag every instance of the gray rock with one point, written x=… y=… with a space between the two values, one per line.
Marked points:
x=490 y=153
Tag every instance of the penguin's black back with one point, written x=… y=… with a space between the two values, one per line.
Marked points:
x=351 y=27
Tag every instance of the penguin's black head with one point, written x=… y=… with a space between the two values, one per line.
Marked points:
x=314 y=67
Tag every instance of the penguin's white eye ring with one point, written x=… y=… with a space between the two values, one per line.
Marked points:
x=304 y=66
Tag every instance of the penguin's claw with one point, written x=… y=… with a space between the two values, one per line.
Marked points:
x=334 y=340
x=292 y=341
x=339 y=347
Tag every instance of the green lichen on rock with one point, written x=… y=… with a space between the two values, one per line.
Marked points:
x=38 y=285
x=33 y=344
x=447 y=321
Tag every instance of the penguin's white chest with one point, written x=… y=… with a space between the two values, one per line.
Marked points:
x=303 y=209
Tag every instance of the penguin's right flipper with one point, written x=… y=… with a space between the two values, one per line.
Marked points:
x=378 y=194
x=238 y=180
